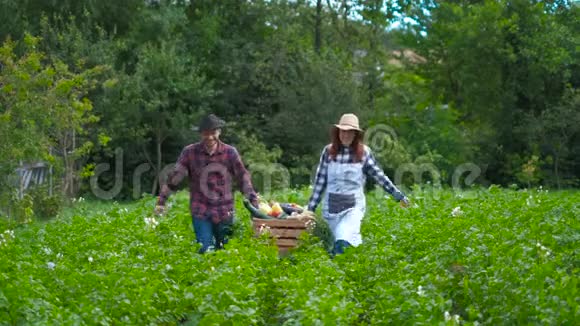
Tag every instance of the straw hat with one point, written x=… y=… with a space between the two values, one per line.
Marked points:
x=348 y=121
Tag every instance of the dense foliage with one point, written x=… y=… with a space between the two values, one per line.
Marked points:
x=488 y=256
x=492 y=84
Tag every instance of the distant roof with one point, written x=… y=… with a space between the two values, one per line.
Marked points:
x=405 y=55
x=32 y=165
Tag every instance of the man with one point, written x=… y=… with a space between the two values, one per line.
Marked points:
x=212 y=166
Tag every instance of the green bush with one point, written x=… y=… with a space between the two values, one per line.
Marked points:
x=487 y=257
x=46 y=205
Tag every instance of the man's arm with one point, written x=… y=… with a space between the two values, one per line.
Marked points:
x=175 y=177
x=242 y=177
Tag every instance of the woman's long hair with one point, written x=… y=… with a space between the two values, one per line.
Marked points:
x=357 y=146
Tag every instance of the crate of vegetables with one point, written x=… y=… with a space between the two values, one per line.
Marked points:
x=283 y=221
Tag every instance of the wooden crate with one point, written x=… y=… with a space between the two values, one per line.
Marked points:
x=286 y=232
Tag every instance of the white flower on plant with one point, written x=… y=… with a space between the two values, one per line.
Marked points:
x=140 y=257
x=178 y=237
x=50 y=265
x=530 y=201
x=59 y=255
x=420 y=291
x=456 y=211
x=10 y=233
x=264 y=229
x=91 y=259
x=151 y=222
x=168 y=267
x=310 y=225
x=546 y=251
x=448 y=317
x=47 y=250
x=539 y=245
x=5 y=236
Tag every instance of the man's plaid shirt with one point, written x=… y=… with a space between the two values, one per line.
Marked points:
x=210 y=181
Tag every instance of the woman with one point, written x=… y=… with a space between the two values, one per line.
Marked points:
x=340 y=176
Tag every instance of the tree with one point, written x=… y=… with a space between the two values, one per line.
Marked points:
x=115 y=17
x=43 y=109
x=554 y=132
x=497 y=62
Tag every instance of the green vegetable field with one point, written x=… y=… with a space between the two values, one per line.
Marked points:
x=481 y=257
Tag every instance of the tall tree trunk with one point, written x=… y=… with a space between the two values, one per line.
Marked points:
x=346 y=8
x=372 y=69
x=157 y=181
x=64 y=141
x=557 y=169
x=317 y=27
x=68 y=186
x=65 y=160
x=71 y=165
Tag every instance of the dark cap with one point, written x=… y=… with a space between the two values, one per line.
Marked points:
x=210 y=122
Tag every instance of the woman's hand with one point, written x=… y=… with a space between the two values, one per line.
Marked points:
x=405 y=202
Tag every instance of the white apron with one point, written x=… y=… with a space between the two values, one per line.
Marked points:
x=344 y=202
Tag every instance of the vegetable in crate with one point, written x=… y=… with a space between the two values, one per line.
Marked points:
x=255 y=212
x=318 y=225
x=292 y=208
x=264 y=208
x=276 y=210
x=265 y=211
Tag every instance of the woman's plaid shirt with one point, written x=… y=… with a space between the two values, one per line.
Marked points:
x=370 y=168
